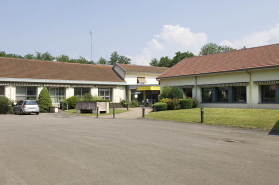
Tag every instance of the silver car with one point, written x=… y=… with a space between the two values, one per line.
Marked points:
x=26 y=107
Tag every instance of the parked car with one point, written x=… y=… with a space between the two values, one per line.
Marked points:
x=26 y=107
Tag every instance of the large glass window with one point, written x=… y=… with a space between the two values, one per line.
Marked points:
x=26 y=93
x=137 y=96
x=206 y=95
x=268 y=94
x=223 y=94
x=80 y=92
x=187 y=92
x=106 y=94
x=239 y=94
x=2 y=91
x=57 y=94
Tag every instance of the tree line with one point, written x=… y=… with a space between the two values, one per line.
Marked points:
x=115 y=58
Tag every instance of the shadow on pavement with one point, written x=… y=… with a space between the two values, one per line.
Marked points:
x=275 y=129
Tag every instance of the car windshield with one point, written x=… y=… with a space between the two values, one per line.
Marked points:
x=31 y=103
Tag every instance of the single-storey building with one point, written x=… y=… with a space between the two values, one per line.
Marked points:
x=24 y=79
x=246 y=78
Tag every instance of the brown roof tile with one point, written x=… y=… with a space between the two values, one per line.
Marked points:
x=258 y=57
x=142 y=69
x=35 y=69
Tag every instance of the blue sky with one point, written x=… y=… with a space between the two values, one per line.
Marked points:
x=141 y=30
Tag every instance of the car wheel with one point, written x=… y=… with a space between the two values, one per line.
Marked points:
x=21 y=112
x=14 y=112
x=37 y=113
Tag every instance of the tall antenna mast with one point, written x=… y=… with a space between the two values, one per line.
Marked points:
x=91 y=44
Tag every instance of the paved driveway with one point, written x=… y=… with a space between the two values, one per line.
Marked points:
x=64 y=149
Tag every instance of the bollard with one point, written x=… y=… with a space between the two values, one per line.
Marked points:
x=202 y=112
x=127 y=106
x=154 y=108
x=113 y=112
x=97 y=112
x=143 y=112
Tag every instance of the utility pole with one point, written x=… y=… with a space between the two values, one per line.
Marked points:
x=91 y=44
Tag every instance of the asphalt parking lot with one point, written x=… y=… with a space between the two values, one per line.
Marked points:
x=63 y=149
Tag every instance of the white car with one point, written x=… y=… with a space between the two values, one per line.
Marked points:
x=26 y=107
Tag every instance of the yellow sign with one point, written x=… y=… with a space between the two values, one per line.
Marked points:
x=148 y=88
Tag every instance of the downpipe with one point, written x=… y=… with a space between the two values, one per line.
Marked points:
x=250 y=89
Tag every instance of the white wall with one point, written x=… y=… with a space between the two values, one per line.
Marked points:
x=69 y=92
x=94 y=91
x=10 y=92
x=118 y=94
x=131 y=78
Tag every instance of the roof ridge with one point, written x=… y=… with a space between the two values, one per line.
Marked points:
x=142 y=65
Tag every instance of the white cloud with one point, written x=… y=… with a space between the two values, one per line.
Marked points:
x=270 y=36
x=227 y=43
x=171 y=40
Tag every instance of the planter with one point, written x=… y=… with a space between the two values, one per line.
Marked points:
x=103 y=106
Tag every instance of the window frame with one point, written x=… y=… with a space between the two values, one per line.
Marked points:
x=57 y=97
x=81 y=91
x=262 y=97
x=3 y=91
x=26 y=96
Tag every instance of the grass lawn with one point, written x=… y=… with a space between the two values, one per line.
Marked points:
x=251 y=118
x=117 y=111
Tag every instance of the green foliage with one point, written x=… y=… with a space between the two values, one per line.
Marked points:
x=186 y=103
x=6 y=106
x=44 y=100
x=116 y=58
x=154 y=62
x=133 y=104
x=160 y=106
x=102 y=61
x=212 y=48
x=173 y=104
x=165 y=92
x=89 y=97
x=123 y=103
x=124 y=60
x=71 y=102
x=180 y=56
x=195 y=102
x=176 y=92
x=164 y=100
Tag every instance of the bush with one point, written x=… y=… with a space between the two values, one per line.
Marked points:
x=164 y=100
x=44 y=100
x=195 y=102
x=165 y=92
x=160 y=106
x=123 y=103
x=6 y=106
x=176 y=92
x=173 y=104
x=186 y=103
x=71 y=102
x=133 y=104
x=87 y=97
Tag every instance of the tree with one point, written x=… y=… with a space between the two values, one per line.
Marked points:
x=124 y=60
x=180 y=56
x=29 y=56
x=176 y=92
x=63 y=58
x=212 y=48
x=44 y=100
x=154 y=62
x=165 y=92
x=113 y=58
x=102 y=61
x=164 y=62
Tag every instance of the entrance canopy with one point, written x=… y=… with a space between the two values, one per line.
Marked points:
x=148 y=88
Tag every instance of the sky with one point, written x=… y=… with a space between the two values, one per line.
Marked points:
x=141 y=30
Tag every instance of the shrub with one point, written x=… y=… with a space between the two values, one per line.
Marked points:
x=133 y=104
x=164 y=100
x=165 y=92
x=173 y=104
x=71 y=102
x=186 y=103
x=160 y=106
x=123 y=103
x=176 y=92
x=44 y=100
x=87 y=97
x=6 y=106
x=195 y=102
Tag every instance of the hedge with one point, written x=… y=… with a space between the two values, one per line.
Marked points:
x=186 y=103
x=5 y=106
x=160 y=106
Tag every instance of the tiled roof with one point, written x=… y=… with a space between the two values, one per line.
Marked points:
x=258 y=57
x=142 y=69
x=36 y=69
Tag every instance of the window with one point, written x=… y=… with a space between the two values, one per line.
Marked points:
x=206 y=94
x=223 y=94
x=2 y=91
x=57 y=94
x=268 y=94
x=141 y=80
x=80 y=92
x=187 y=92
x=106 y=94
x=239 y=94
x=26 y=93
x=137 y=96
